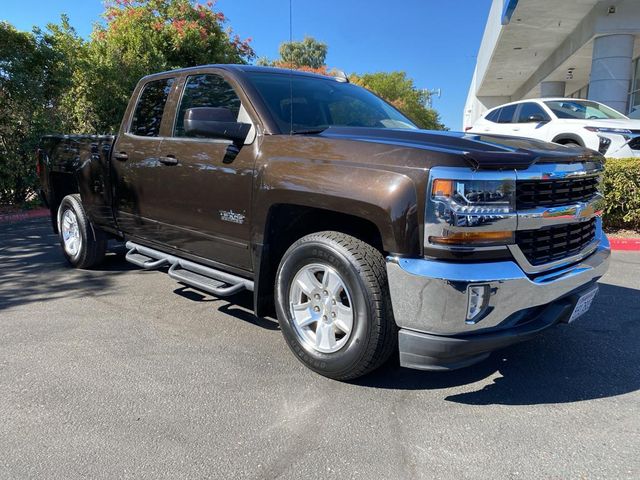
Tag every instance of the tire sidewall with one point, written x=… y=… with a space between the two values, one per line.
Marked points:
x=69 y=204
x=345 y=359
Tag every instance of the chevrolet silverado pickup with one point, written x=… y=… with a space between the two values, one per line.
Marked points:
x=366 y=236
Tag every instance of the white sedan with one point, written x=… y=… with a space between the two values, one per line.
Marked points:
x=567 y=121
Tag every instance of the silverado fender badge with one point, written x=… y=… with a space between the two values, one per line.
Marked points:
x=231 y=216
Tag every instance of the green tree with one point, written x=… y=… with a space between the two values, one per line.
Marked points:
x=400 y=91
x=307 y=53
x=34 y=79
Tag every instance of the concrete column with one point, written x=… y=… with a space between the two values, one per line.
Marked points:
x=611 y=70
x=552 y=89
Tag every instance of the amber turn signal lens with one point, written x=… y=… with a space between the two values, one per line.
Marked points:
x=473 y=238
x=442 y=188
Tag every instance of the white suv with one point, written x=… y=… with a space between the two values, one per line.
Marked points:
x=567 y=121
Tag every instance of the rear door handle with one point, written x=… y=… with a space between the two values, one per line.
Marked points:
x=122 y=156
x=169 y=160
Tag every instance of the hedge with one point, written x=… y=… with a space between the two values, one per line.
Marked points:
x=621 y=190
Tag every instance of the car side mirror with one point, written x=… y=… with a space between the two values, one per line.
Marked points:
x=536 y=118
x=215 y=122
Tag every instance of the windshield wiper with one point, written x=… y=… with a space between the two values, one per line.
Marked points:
x=308 y=131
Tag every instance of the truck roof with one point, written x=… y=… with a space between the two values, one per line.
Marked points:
x=242 y=68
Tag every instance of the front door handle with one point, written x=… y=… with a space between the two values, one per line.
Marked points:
x=169 y=160
x=122 y=156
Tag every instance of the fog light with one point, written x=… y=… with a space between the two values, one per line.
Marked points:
x=478 y=301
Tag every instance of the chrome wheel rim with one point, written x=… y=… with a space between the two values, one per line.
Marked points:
x=71 y=238
x=321 y=308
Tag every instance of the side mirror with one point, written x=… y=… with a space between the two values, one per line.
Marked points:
x=215 y=122
x=536 y=118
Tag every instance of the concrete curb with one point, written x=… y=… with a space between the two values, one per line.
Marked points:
x=27 y=215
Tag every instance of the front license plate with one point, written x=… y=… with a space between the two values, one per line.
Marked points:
x=583 y=304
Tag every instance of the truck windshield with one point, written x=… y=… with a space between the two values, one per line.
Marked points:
x=583 y=110
x=304 y=104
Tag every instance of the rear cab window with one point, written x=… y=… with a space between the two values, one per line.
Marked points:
x=147 y=115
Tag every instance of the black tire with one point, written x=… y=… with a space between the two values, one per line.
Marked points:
x=362 y=269
x=93 y=242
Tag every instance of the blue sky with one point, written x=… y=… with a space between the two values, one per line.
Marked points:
x=434 y=41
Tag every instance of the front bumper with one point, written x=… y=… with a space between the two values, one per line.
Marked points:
x=430 y=301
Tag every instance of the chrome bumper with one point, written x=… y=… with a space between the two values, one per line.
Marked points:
x=432 y=296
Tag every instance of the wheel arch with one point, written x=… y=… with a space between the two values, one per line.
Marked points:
x=287 y=222
x=568 y=137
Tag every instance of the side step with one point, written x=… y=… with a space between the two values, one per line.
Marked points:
x=216 y=282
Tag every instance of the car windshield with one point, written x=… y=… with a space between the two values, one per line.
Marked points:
x=305 y=104
x=583 y=110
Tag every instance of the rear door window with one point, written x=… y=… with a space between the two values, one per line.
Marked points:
x=506 y=114
x=148 y=113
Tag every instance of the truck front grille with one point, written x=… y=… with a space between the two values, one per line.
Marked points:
x=555 y=193
x=555 y=243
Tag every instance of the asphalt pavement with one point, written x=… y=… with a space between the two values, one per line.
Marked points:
x=122 y=373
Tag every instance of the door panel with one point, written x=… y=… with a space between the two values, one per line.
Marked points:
x=207 y=203
x=135 y=160
x=206 y=206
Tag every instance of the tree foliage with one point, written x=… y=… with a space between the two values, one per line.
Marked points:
x=34 y=81
x=399 y=90
x=308 y=55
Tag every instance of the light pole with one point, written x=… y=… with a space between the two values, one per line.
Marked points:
x=430 y=94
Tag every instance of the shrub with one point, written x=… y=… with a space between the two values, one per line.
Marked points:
x=621 y=189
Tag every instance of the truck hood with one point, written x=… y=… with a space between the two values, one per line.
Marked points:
x=482 y=152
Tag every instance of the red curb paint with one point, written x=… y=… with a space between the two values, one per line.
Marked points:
x=628 y=244
x=29 y=214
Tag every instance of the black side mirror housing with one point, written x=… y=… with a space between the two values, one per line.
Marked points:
x=215 y=122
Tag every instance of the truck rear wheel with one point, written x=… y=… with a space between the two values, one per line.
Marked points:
x=333 y=305
x=83 y=245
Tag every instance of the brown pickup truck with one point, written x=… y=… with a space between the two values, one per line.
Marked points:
x=366 y=236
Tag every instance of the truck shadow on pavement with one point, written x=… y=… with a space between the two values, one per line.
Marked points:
x=33 y=269
x=239 y=306
x=596 y=357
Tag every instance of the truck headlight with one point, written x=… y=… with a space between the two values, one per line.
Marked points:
x=473 y=212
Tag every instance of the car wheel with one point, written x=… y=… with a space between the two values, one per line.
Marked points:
x=333 y=305
x=83 y=245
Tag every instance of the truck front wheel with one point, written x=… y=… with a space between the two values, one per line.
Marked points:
x=333 y=305
x=83 y=245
